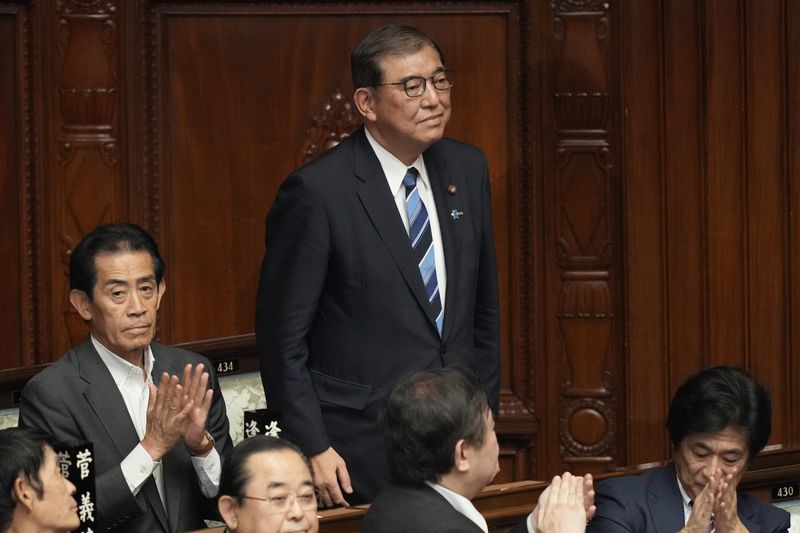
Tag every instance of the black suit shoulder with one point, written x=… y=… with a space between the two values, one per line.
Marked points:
x=422 y=510
x=342 y=157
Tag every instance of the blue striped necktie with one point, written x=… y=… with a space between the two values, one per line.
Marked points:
x=419 y=231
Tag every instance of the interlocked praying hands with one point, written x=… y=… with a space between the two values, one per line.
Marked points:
x=716 y=507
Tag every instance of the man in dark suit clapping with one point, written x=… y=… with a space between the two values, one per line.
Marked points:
x=442 y=451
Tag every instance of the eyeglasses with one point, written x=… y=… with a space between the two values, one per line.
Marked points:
x=281 y=503
x=415 y=86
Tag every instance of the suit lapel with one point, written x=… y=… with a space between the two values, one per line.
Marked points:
x=451 y=237
x=745 y=512
x=665 y=502
x=170 y=462
x=382 y=211
x=104 y=398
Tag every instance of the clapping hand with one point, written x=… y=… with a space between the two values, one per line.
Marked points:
x=178 y=411
x=561 y=507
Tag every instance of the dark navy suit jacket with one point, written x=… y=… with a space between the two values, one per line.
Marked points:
x=651 y=503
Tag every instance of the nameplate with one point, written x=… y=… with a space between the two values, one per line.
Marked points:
x=261 y=422
x=77 y=464
x=227 y=366
x=786 y=491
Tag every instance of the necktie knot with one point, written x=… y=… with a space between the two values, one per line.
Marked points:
x=410 y=179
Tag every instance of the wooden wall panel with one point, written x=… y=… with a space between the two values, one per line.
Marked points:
x=767 y=207
x=84 y=101
x=721 y=128
x=791 y=378
x=644 y=167
x=726 y=193
x=645 y=27
x=584 y=298
x=682 y=110
x=14 y=307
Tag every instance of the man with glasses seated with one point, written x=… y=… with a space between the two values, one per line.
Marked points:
x=267 y=487
x=380 y=262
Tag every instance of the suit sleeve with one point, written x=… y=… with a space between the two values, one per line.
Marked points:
x=613 y=514
x=293 y=275
x=487 y=321
x=41 y=408
x=217 y=421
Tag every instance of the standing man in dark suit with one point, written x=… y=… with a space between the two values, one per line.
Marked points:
x=380 y=262
x=718 y=420
x=157 y=448
x=442 y=451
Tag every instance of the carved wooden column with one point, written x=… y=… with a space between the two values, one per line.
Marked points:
x=585 y=227
x=87 y=186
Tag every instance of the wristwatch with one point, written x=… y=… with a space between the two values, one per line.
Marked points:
x=205 y=449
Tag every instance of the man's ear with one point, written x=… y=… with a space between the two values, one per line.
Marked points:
x=162 y=288
x=229 y=510
x=364 y=99
x=460 y=456
x=23 y=493
x=80 y=301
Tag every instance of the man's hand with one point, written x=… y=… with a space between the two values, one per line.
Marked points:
x=726 y=517
x=588 y=496
x=195 y=387
x=330 y=471
x=561 y=510
x=703 y=507
x=167 y=408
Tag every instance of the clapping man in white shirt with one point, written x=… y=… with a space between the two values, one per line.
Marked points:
x=154 y=413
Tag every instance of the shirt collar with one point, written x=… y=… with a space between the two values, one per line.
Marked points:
x=393 y=168
x=687 y=503
x=461 y=504
x=120 y=368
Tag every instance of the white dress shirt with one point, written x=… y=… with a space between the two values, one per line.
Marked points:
x=465 y=507
x=138 y=465
x=395 y=171
x=687 y=503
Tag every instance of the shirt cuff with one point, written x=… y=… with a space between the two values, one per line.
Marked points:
x=208 y=470
x=137 y=467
